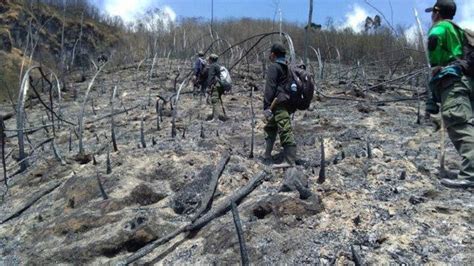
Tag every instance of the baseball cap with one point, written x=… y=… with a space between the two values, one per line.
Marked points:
x=444 y=7
x=278 y=48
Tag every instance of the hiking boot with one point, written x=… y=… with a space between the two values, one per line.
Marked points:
x=289 y=156
x=268 y=149
x=223 y=118
x=213 y=115
x=457 y=183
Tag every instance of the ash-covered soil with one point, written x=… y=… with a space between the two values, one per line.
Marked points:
x=389 y=208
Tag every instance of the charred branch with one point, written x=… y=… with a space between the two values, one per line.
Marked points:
x=240 y=234
x=206 y=203
x=199 y=223
x=322 y=169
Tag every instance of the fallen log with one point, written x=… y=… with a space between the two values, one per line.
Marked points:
x=206 y=203
x=7 y=116
x=36 y=197
x=113 y=114
x=199 y=223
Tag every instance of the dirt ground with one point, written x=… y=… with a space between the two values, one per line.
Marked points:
x=389 y=208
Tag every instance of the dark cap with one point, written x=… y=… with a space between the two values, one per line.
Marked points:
x=278 y=49
x=447 y=8
x=200 y=53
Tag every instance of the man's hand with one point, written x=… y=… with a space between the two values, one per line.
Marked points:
x=268 y=114
x=435 y=70
x=431 y=108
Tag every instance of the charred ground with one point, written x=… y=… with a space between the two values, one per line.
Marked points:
x=386 y=207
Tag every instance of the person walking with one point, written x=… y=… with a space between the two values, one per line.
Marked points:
x=451 y=89
x=276 y=108
x=216 y=90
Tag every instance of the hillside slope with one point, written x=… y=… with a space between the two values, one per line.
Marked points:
x=35 y=32
x=390 y=208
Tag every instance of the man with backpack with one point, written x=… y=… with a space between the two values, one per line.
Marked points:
x=452 y=88
x=216 y=89
x=199 y=73
x=276 y=108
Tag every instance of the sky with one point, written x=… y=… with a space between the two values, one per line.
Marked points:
x=345 y=13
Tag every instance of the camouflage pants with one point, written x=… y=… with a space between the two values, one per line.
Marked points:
x=457 y=103
x=216 y=94
x=280 y=124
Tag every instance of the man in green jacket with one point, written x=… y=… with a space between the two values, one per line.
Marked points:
x=276 y=111
x=451 y=89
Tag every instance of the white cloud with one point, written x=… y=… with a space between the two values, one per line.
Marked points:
x=467 y=14
x=130 y=10
x=355 y=19
x=127 y=10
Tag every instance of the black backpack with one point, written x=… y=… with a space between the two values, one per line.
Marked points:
x=467 y=61
x=300 y=87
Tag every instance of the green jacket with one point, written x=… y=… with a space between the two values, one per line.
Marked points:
x=445 y=44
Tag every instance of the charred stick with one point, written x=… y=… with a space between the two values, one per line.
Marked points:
x=51 y=104
x=252 y=141
x=2 y=142
x=322 y=169
x=202 y=132
x=206 y=202
x=161 y=111
x=173 y=125
x=142 y=133
x=70 y=140
x=240 y=234
x=112 y=121
x=369 y=149
x=101 y=187
x=114 y=138
x=108 y=164
x=176 y=81
x=56 y=153
x=158 y=114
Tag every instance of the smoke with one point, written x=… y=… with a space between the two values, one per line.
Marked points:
x=355 y=19
x=131 y=9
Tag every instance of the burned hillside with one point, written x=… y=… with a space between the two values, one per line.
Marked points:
x=115 y=162
x=380 y=200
